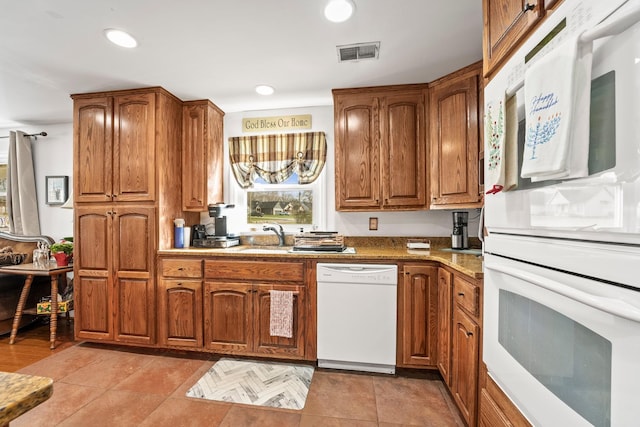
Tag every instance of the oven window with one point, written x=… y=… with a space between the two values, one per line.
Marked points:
x=602 y=131
x=570 y=360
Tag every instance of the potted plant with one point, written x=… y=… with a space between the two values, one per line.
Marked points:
x=63 y=252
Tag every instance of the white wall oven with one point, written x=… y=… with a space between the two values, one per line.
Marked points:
x=562 y=255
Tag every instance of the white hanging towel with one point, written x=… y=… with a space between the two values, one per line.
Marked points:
x=281 y=317
x=557 y=91
x=501 y=153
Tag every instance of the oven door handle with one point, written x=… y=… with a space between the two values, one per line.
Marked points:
x=612 y=306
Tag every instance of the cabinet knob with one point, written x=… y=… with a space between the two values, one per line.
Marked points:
x=180 y=268
x=469 y=334
x=528 y=7
x=461 y=294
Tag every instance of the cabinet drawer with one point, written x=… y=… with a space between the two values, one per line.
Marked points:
x=182 y=267
x=466 y=295
x=263 y=271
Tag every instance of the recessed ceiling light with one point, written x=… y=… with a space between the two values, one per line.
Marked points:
x=120 y=38
x=339 y=10
x=264 y=90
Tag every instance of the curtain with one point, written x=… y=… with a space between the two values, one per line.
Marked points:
x=275 y=158
x=22 y=203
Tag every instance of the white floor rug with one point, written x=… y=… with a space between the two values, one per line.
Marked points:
x=278 y=385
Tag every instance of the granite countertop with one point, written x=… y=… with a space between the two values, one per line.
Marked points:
x=20 y=393
x=366 y=248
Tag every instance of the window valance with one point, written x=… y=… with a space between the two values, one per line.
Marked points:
x=275 y=158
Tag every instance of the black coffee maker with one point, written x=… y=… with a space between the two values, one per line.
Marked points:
x=215 y=235
x=460 y=236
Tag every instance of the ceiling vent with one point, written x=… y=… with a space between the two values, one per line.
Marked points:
x=359 y=51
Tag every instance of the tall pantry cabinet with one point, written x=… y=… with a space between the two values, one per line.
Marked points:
x=127 y=187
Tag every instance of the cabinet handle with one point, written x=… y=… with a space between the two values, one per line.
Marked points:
x=461 y=294
x=469 y=334
x=113 y=196
x=528 y=7
x=180 y=268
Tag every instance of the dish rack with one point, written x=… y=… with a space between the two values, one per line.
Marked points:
x=319 y=241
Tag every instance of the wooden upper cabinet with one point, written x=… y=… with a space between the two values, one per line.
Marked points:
x=93 y=149
x=357 y=152
x=202 y=155
x=403 y=157
x=114 y=151
x=380 y=148
x=506 y=23
x=455 y=140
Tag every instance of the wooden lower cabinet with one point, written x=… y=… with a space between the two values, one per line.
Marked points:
x=237 y=319
x=443 y=358
x=465 y=345
x=496 y=410
x=465 y=351
x=180 y=313
x=114 y=270
x=418 y=316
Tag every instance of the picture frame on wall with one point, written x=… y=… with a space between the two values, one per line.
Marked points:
x=57 y=190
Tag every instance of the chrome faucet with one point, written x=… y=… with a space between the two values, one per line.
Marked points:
x=279 y=233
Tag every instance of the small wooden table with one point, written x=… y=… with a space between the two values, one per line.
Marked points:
x=20 y=393
x=30 y=270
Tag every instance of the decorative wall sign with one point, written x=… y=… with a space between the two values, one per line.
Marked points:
x=260 y=124
x=57 y=190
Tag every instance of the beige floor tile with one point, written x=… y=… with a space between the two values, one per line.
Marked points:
x=247 y=416
x=412 y=401
x=66 y=400
x=163 y=375
x=115 y=408
x=60 y=364
x=110 y=371
x=341 y=395
x=175 y=412
x=319 y=421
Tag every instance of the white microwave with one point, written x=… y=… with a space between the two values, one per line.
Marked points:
x=605 y=205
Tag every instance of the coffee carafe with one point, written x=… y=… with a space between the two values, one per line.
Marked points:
x=459 y=236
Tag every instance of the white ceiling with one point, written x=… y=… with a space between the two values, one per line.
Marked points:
x=221 y=50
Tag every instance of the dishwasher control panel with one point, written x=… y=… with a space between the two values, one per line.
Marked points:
x=357 y=273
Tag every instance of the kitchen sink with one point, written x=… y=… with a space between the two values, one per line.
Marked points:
x=265 y=250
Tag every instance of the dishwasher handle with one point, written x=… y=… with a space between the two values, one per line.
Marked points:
x=357 y=268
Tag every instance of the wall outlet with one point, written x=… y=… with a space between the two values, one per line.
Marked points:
x=373 y=223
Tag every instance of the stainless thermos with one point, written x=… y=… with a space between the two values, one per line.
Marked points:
x=459 y=236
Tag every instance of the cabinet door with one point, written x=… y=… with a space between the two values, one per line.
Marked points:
x=506 y=22
x=134 y=147
x=403 y=153
x=134 y=266
x=202 y=155
x=357 y=152
x=454 y=142
x=92 y=149
x=93 y=284
x=263 y=341
x=419 y=315
x=180 y=313
x=228 y=316
x=444 y=324
x=464 y=372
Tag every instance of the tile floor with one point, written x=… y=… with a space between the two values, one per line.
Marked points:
x=114 y=386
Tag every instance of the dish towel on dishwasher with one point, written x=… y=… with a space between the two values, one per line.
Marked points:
x=557 y=91
x=281 y=318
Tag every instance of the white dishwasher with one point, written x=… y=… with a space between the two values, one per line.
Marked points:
x=357 y=316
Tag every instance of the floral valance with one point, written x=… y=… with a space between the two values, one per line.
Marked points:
x=275 y=158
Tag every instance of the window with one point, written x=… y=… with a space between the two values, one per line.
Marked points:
x=279 y=175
